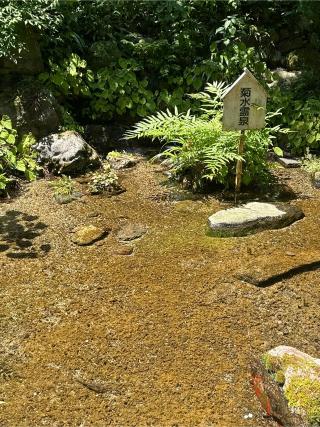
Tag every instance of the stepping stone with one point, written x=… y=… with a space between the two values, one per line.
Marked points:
x=289 y=163
x=252 y=218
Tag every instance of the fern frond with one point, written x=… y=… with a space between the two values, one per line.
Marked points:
x=163 y=125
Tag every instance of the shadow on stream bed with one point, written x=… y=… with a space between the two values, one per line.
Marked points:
x=17 y=232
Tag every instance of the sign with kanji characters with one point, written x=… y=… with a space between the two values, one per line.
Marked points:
x=244 y=104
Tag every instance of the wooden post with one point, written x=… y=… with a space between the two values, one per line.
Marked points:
x=239 y=162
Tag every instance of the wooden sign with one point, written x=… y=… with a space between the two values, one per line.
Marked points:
x=244 y=104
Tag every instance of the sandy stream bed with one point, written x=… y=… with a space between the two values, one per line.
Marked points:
x=162 y=337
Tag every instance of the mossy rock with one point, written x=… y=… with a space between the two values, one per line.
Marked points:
x=297 y=376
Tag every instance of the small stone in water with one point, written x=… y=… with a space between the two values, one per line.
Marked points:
x=88 y=234
x=125 y=250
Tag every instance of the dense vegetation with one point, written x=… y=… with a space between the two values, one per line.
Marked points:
x=112 y=61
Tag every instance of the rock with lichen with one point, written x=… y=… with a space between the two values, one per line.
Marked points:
x=287 y=384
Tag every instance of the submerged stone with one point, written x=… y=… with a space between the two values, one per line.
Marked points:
x=252 y=218
x=88 y=234
x=287 y=384
x=131 y=232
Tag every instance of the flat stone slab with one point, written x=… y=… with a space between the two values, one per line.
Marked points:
x=289 y=163
x=252 y=218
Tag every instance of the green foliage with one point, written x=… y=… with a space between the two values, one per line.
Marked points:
x=127 y=66
x=40 y=15
x=200 y=150
x=301 y=113
x=115 y=90
x=112 y=59
x=68 y=122
x=16 y=157
x=311 y=165
x=63 y=186
x=118 y=155
x=118 y=89
x=230 y=51
x=68 y=78
x=105 y=181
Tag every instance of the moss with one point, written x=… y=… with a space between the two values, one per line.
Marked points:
x=271 y=363
x=280 y=377
x=304 y=394
x=118 y=154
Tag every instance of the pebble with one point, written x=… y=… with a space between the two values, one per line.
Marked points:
x=124 y=250
x=290 y=254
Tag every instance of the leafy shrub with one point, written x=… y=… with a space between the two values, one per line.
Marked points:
x=114 y=90
x=63 y=186
x=230 y=52
x=311 y=165
x=68 y=78
x=201 y=150
x=105 y=181
x=300 y=106
x=40 y=15
x=16 y=157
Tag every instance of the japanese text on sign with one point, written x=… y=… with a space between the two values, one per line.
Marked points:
x=245 y=95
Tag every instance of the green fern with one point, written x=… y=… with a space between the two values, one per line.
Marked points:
x=200 y=149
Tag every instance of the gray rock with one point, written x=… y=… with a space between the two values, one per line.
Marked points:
x=284 y=78
x=122 y=162
x=289 y=163
x=131 y=232
x=88 y=234
x=32 y=108
x=67 y=152
x=252 y=218
x=287 y=384
x=316 y=180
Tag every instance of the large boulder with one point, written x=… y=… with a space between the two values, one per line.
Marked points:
x=67 y=152
x=253 y=217
x=287 y=384
x=31 y=107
